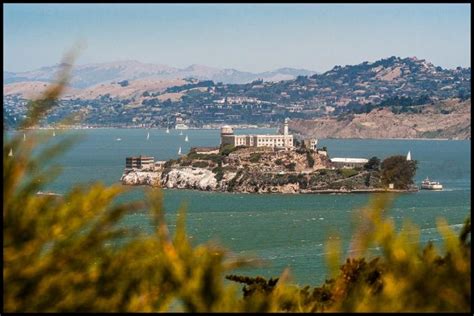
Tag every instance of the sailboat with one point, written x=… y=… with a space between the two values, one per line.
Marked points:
x=10 y=154
x=24 y=136
x=148 y=136
x=181 y=133
x=179 y=151
x=186 y=138
x=408 y=156
x=167 y=130
x=54 y=133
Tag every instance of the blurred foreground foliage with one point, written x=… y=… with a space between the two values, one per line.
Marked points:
x=69 y=253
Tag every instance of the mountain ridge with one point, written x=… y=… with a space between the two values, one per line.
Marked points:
x=88 y=75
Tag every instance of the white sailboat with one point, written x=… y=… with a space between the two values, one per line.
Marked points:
x=186 y=138
x=167 y=130
x=408 y=156
x=181 y=133
x=10 y=154
x=179 y=151
x=24 y=136
x=54 y=133
x=148 y=136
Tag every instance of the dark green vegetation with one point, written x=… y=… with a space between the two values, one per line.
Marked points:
x=255 y=157
x=227 y=149
x=372 y=164
x=399 y=171
x=310 y=158
x=70 y=254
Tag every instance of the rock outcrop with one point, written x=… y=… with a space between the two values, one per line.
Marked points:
x=141 y=178
x=190 y=178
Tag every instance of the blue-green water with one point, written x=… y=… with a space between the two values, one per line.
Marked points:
x=284 y=230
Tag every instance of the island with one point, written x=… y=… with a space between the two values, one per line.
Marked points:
x=271 y=164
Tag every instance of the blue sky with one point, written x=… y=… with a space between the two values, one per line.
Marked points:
x=247 y=37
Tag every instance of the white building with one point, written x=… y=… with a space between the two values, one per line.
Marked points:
x=349 y=162
x=274 y=141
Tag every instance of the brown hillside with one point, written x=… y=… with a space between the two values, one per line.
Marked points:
x=447 y=119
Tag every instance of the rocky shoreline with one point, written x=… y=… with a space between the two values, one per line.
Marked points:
x=181 y=181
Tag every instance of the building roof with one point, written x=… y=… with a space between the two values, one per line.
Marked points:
x=350 y=160
x=205 y=148
x=141 y=157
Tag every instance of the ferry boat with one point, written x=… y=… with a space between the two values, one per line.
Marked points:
x=431 y=185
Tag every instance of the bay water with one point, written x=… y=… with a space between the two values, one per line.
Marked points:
x=285 y=231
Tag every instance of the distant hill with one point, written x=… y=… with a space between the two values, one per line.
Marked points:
x=92 y=74
x=114 y=89
x=447 y=119
x=154 y=95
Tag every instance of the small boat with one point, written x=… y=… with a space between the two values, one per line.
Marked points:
x=431 y=185
x=148 y=136
x=181 y=126
x=24 y=136
x=47 y=193
x=10 y=154
x=181 y=133
x=179 y=151
x=167 y=130
x=408 y=156
x=186 y=139
x=118 y=139
x=54 y=133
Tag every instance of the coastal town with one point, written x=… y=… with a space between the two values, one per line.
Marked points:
x=264 y=164
x=401 y=85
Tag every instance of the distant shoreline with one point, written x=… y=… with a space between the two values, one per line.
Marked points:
x=216 y=128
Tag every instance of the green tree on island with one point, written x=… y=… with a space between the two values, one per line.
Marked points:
x=399 y=171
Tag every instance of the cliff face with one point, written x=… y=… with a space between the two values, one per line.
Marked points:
x=190 y=178
x=449 y=119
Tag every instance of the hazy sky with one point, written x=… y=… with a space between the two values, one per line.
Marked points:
x=247 y=37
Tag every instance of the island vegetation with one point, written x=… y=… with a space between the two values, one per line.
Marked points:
x=266 y=170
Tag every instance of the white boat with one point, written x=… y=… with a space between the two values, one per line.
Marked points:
x=186 y=139
x=10 y=154
x=179 y=151
x=408 y=156
x=181 y=126
x=167 y=130
x=47 y=193
x=54 y=133
x=24 y=136
x=148 y=136
x=118 y=139
x=431 y=185
x=181 y=133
